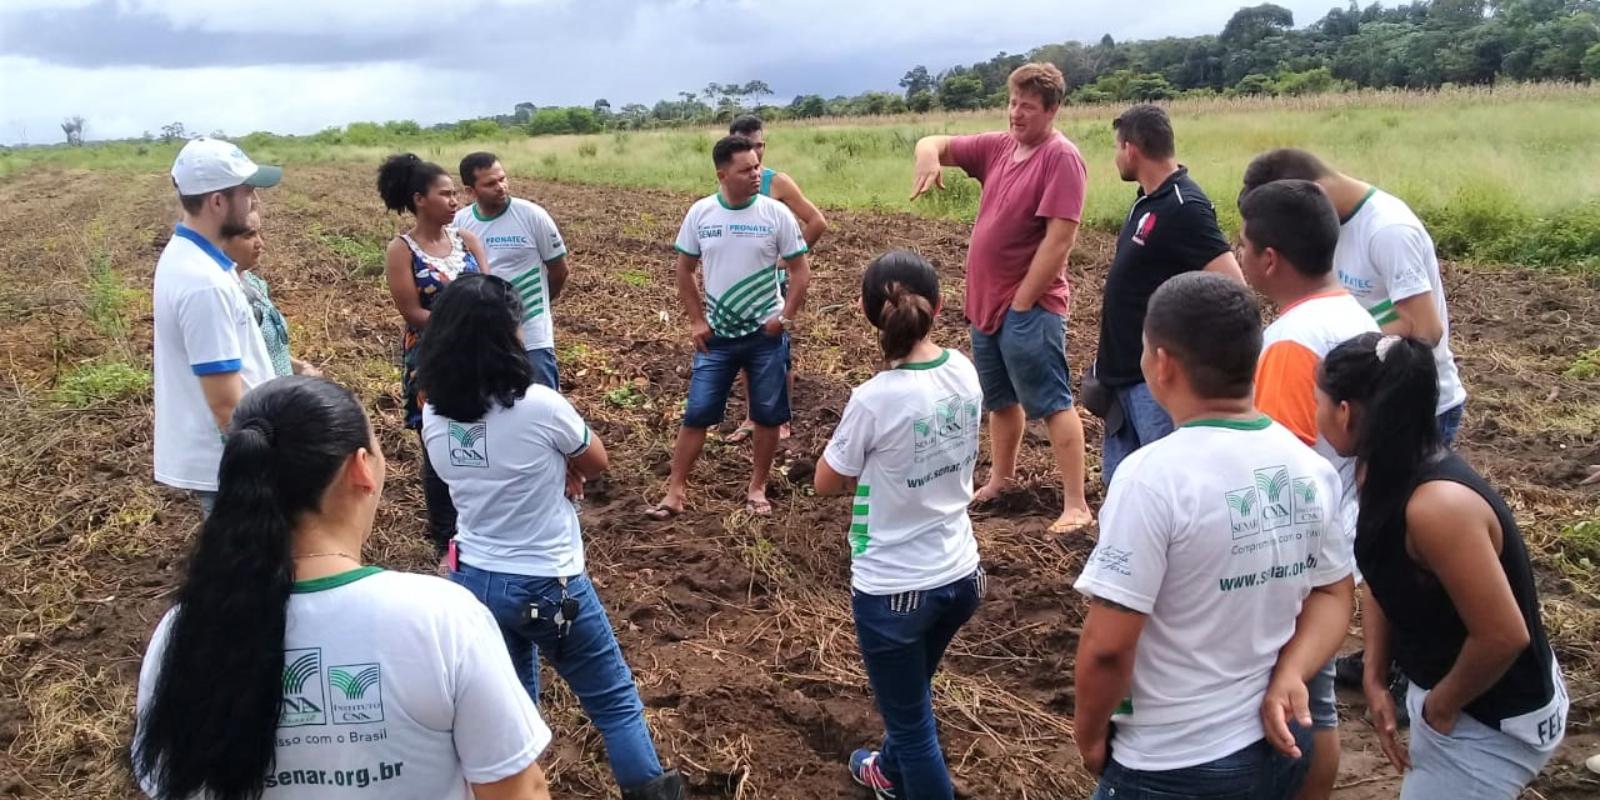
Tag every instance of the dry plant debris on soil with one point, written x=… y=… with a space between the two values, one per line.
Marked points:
x=738 y=628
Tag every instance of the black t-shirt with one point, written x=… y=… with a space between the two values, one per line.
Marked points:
x=1426 y=632
x=1168 y=232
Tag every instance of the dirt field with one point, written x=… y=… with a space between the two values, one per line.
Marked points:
x=738 y=629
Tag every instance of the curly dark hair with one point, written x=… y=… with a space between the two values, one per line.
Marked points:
x=402 y=177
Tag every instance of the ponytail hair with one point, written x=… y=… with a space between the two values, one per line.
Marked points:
x=1393 y=385
x=900 y=295
x=402 y=177
x=211 y=723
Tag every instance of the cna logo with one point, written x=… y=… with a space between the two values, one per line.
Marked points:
x=468 y=445
x=1147 y=225
x=357 y=694
x=1244 y=512
x=1274 y=485
x=1306 y=508
x=303 y=702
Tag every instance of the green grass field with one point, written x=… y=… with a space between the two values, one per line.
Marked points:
x=1509 y=175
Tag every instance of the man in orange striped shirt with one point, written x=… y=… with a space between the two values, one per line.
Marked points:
x=1287 y=239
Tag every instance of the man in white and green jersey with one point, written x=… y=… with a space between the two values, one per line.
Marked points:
x=1221 y=583
x=740 y=321
x=525 y=248
x=1386 y=260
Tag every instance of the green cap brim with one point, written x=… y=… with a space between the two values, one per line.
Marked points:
x=265 y=177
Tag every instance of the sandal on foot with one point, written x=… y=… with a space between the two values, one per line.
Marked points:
x=661 y=512
x=742 y=433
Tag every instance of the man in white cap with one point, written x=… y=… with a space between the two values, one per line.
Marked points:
x=208 y=349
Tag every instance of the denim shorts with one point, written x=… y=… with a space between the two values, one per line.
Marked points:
x=1024 y=362
x=763 y=358
x=1323 y=701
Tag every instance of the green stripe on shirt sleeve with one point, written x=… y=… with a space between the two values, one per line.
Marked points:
x=796 y=254
x=685 y=252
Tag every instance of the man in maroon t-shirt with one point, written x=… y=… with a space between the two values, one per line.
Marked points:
x=1033 y=188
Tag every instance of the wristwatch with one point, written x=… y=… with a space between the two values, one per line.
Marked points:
x=784 y=322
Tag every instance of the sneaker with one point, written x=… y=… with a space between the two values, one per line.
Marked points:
x=1348 y=669
x=864 y=767
x=1398 y=684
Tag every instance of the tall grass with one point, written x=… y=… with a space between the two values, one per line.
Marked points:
x=1507 y=174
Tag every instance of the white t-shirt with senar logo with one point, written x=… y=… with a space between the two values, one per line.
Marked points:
x=1384 y=256
x=507 y=478
x=1217 y=532
x=739 y=249
x=519 y=241
x=395 y=687
x=203 y=326
x=910 y=437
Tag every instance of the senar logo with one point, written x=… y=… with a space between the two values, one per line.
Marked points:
x=469 y=446
x=358 y=698
x=303 y=702
x=1243 y=515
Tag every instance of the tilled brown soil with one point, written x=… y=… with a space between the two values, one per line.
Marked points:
x=738 y=628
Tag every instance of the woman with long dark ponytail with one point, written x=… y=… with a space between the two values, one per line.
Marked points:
x=1449 y=592
x=905 y=447
x=288 y=669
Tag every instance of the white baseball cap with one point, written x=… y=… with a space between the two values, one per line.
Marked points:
x=211 y=165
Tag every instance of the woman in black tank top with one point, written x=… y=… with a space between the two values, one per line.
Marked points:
x=1449 y=589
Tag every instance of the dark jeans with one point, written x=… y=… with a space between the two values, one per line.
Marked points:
x=545 y=370
x=587 y=657
x=903 y=637
x=1450 y=424
x=441 y=509
x=1257 y=772
x=1143 y=421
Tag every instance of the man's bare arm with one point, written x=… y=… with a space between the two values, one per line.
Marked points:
x=222 y=391
x=812 y=223
x=1048 y=262
x=933 y=155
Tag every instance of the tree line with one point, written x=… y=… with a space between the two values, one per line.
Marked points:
x=1419 y=45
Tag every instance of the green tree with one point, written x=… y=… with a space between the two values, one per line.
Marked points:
x=960 y=92
x=916 y=80
x=808 y=105
x=1591 y=63
x=1255 y=84
x=1251 y=24
x=921 y=102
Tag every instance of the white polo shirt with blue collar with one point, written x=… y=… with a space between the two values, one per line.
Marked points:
x=203 y=326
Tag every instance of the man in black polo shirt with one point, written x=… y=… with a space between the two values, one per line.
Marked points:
x=1172 y=229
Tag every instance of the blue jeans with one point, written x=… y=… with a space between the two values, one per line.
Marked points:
x=903 y=638
x=587 y=657
x=1256 y=772
x=1143 y=421
x=208 y=503
x=545 y=372
x=1450 y=424
x=765 y=359
x=1024 y=362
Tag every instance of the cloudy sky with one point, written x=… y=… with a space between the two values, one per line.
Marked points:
x=295 y=66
